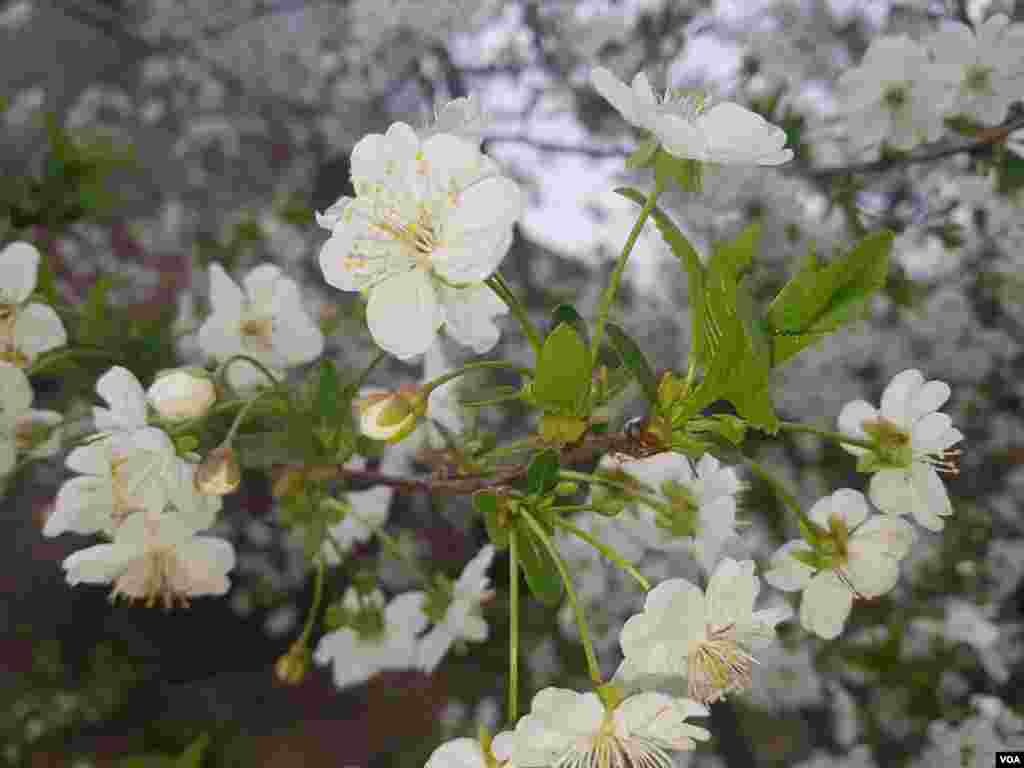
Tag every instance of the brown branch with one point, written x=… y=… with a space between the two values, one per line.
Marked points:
x=587 y=449
x=937 y=151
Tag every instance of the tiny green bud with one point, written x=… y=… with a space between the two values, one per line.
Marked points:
x=566 y=488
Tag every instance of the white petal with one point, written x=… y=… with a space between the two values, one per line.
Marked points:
x=458 y=753
x=260 y=286
x=787 y=573
x=403 y=314
x=737 y=135
x=872 y=573
x=91 y=459
x=848 y=505
x=886 y=534
x=406 y=612
x=759 y=632
x=731 y=593
x=19 y=266
x=15 y=395
x=932 y=396
x=8 y=455
x=126 y=398
x=225 y=296
x=851 y=420
x=99 y=564
x=83 y=505
x=296 y=338
x=616 y=93
x=205 y=562
x=932 y=501
x=432 y=648
x=892 y=492
x=661 y=718
x=475 y=236
x=38 y=329
x=661 y=468
x=826 y=605
x=930 y=432
x=473 y=575
x=899 y=395
x=469 y=316
x=220 y=336
x=681 y=138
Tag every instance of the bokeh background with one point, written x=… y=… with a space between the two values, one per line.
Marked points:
x=144 y=140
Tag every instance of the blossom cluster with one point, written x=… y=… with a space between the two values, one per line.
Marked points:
x=904 y=89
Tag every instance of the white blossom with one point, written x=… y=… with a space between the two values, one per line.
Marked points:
x=378 y=637
x=23 y=429
x=156 y=557
x=687 y=127
x=983 y=68
x=462 y=619
x=705 y=638
x=267 y=321
x=428 y=214
x=126 y=401
x=468 y=753
x=27 y=328
x=367 y=512
x=125 y=473
x=913 y=443
x=182 y=394
x=894 y=96
x=699 y=512
x=566 y=729
x=863 y=561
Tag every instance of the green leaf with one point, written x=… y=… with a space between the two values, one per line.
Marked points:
x=643 y=155
x=95 y=322
x=562 y=383
x=542 y=474
x=819 y=299
x=684 y=171
x=633 y=358
x=487 y=504
x=327 y=398
x=695 y=272
x=538 y=568
x=739 y=355
x=262 y=450
x=566 y=313
x=192 y=757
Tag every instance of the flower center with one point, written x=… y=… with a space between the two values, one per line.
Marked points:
x=612 y=747
x=717 y=665
x=157 y=583
x=979 y=79
x=895 y=97
x=257 y=332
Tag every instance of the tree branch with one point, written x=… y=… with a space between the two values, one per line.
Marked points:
x=937 y=151
x=587 y=449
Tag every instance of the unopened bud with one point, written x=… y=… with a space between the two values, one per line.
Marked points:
x=183 y=393
x=288 y=482
x=566 y=488
x=392 y=416
x=291 y=668
x=219 y=473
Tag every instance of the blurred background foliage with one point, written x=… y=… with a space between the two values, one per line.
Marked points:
x=165 y=136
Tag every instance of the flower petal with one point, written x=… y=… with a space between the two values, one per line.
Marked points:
x=38 y=329
x=731 y=593
x=403 y=314
x=787 y=573
x=899 y=395
x=851 y=421
x=19 y=266
x=616 y=93
x=826 y=605
x=126 y=398
x=226 y=297
x=469 y=316
x=15 y=395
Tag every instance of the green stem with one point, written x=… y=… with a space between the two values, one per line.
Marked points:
x=607 y=551
x=240 y=417
x=583 y=477
x=620 y=267
x=433 y=384
x=513 y=639
x=222 y=369
x=838 y=437
x=42 y=365
x=563 y=571
x=318 y=594
x=780 y=490
x=571 y=508
x=497 y=284
x=361 y=379
x=516 y=446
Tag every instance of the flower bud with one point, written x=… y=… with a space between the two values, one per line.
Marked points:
x=182 y=393
x=291 y=668
x=392 y=416
x=219 y=473
x=566 y=488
